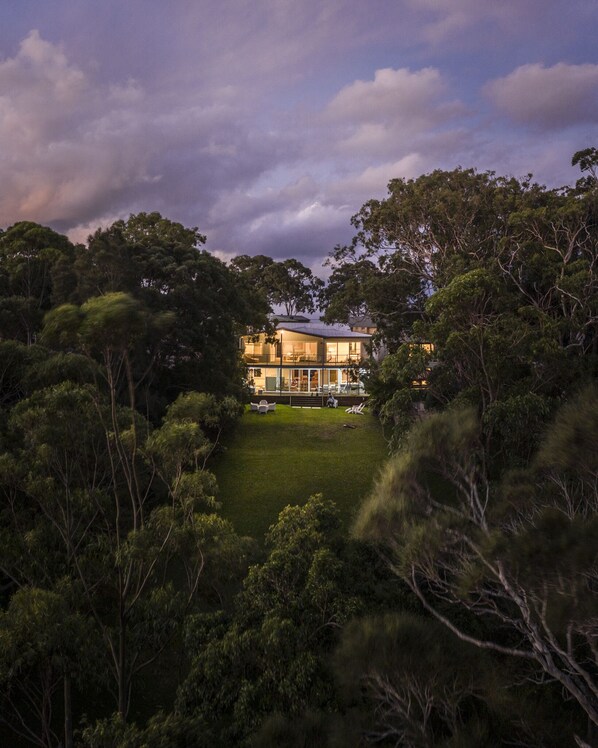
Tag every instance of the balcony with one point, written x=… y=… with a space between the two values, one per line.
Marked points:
x=301 y=359
x=261 y=358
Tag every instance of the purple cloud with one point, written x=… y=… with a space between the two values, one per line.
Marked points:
x=268 y=124
x=548 y=97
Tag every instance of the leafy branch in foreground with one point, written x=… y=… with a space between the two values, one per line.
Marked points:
x=519 y=556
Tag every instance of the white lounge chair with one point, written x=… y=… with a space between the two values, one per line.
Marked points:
x=356 y=409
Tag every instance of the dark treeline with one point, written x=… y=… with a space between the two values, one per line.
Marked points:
x=461 y=611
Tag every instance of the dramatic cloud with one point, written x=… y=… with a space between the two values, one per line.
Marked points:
x=66 y=143
x=392 y=95
x=80 y=149
x=268 y=124
x=386 y=117
x=548 y=98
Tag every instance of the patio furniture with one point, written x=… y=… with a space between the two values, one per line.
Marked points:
x=253 y=407
x=356 y=409
x=271 y=407
x=262 y=409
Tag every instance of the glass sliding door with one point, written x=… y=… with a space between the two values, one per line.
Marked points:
x=314 y=380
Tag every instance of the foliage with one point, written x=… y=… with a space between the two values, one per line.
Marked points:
x=96 y=524
x=120 y=584
x=418 y=685
x=498 y=274
x=160 y=264
x=519 y=554
x=268 y=658
x=36 y=272
x=287 y=283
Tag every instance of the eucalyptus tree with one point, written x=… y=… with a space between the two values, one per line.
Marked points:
x=519 y=555
x=41 y=640
x=36 y=272
x=285 y=283
x=161 y=264
x=81 y=512
x=499 y=275
x=269 y=655
x=81 y=499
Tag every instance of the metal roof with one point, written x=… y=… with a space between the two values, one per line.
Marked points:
x=322 y=331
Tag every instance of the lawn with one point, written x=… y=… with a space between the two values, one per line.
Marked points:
x=283 y=457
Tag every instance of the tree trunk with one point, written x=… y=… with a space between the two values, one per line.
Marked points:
x=122 y=662
x=68 y=712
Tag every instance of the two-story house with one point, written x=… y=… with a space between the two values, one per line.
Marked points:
x=306 y=356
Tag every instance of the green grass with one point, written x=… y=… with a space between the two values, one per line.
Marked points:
x=284 y=457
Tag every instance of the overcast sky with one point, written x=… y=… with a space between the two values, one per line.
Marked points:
x=268 y=123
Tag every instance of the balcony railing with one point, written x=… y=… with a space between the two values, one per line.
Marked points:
x=261 y=358
x=285 y=387
x=301 y=359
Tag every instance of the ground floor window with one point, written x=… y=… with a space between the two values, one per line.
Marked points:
x=304 y=380
x=279 y=379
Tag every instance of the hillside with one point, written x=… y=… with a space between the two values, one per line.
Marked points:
x=284 y=457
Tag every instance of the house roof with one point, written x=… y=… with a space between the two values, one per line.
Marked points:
x=321 y=330
x=283 y=319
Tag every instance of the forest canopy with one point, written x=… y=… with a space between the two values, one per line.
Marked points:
x=461 y=608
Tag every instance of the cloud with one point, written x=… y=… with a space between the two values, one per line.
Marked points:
x=373 y=180
x=548 y=98
x=385 y=117
x=73 y=148
x=265 y=124
x=62 y=148
x=442 y=22
x=392 y=95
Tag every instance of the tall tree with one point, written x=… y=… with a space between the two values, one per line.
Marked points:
x=269 y=656
x=520 y=555
x=80 y=508
x=160 y=263
x=287 y=283
x=36 y=271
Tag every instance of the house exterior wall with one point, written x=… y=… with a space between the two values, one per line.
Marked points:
x=297 y=362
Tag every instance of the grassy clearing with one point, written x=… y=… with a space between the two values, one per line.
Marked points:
x=283 y=457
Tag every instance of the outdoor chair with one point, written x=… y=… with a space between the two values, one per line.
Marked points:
x=271 y=407
x=253 y=407
x=262 y=409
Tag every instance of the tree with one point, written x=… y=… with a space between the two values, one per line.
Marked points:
x=287 y=283
x=269 y=656
x=80 y=503
x=161 y=265
x=417 y=685
x=346 y=293
x=36 y=271
x=40 y=645
x=17 y=361
x=426 y=231
x=499 y=276
x=587 y=160
x=519 y=555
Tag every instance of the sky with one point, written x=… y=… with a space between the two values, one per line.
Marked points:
x=268 y=123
